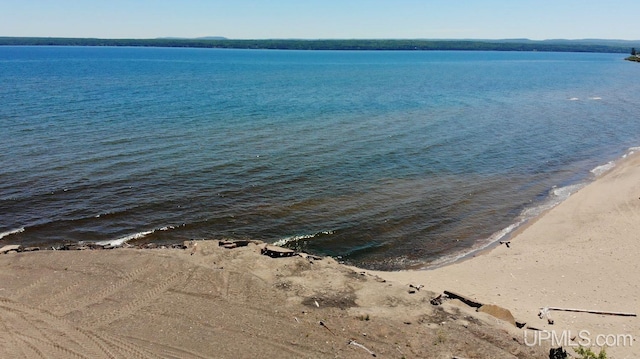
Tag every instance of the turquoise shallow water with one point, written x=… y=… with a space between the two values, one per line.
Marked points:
x=384 y=159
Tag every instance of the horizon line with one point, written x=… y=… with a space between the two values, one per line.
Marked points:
x=222 y=38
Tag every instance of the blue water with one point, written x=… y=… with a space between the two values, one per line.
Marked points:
x=382 y=159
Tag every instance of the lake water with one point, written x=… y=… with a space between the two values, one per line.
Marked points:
x=382 y=159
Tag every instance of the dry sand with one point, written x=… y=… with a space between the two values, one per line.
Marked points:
x=214 y=302
x=226 y=303
x=582 y=254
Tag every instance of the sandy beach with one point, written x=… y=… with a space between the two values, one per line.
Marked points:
x=211 y=300
x=582 y=254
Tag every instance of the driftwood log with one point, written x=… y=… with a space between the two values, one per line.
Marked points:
x=356 y=344
x=602 y=312
x=466 y=300
x=231 y=244
x=277 y=252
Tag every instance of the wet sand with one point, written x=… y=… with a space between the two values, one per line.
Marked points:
x=582 y=254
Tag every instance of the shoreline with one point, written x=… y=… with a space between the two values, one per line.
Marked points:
x=523 y=221
x=212 y=296
x=578 y=46
x=579 y=254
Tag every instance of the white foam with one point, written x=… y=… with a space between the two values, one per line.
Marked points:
x=102 y=214
x=538 y=210
x=286 y=240
x=10 y=232
x=595 y=98
x=574 y=99
x=494 y=238
x=122 y=240
x=563 y=193
x=556 y=196
x=599 y=170
x=631 y=151
x=502 y=233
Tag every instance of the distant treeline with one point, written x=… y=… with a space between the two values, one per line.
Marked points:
x=291 y=44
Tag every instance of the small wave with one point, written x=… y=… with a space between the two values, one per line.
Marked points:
x=13 y=231
x=574 y=99
x=122 y=240
x=562 y=193
x=494 y=238
x=284 y=241
x=631 y=151
x=556 y=196
x=595 y=98
x=111 y=213
x=599 y=170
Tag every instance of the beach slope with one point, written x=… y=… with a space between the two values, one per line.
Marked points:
x=227 y=301
x=582 y=254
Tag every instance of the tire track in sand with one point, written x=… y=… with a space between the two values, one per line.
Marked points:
x=139 y=302
x=141 y=353
x=39 y=334
x=40 y=347
x=93 y=297
x=55 y=334
x=22 y=291
x=11 y=348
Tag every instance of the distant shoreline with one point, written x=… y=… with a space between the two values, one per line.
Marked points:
x=593 y=46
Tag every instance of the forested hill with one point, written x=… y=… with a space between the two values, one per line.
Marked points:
x=609 y=46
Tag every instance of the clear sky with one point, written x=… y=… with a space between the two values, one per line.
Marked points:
x=324 y=19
